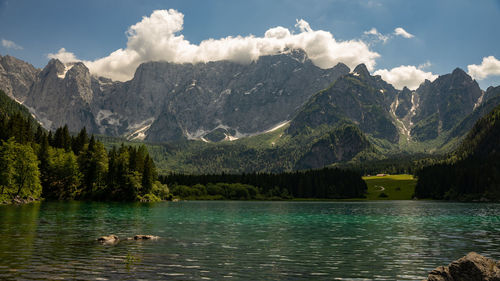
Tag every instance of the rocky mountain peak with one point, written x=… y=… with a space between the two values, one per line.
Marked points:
x=459 y=72
x=362 y=70
x=405 y=90
x=298 y=54
x=12 y=64
x=461 y=79
x=77 y=69
x=443 y=103
x=16 y=77
x=54 y=67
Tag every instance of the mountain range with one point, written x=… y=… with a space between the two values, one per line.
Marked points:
x=280 y=112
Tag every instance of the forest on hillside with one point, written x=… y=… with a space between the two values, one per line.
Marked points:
x=35 y=163
x=472 y=171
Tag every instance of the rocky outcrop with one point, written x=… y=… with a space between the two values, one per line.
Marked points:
x=443 y=103
x=166 y=101
x=16 y=77
x=472 y=267
x=243 y=99
x=359 y=98
x=61 y=95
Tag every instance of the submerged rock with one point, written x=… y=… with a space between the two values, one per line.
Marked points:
x=145 y=237
x=110 y=239
x=473 y=267
x=113 y=239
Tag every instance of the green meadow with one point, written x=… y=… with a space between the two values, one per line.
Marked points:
x=390 y=187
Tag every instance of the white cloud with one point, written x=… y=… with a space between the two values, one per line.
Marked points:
x=379 y=36
x=405 y=75
x=399 y=31
x=64 y=56
x=489 y=67
x=157 y=38
x=425 y=65
x=10 y=45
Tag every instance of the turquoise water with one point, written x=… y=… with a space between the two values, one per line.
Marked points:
x=396 y=240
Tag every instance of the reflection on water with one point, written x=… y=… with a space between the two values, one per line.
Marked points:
x=399 y=240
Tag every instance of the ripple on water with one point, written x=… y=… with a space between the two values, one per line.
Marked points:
x=243 y=240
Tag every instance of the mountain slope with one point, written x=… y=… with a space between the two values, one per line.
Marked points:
x=16 y=77
x=491 y=100
x=9 y=107
x=330 y=115
x=443 y=104
x=61 y=95
x=16 y=121
x=165 y=101
x=274 y=151
x=472 y=171
x=357 y=97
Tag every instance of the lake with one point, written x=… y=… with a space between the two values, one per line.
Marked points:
x=236 y=240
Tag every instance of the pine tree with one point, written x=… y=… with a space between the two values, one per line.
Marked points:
x=148 y=176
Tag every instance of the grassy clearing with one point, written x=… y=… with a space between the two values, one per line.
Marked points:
x=395 y=187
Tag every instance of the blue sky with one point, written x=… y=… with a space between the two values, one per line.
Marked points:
x=446 y=33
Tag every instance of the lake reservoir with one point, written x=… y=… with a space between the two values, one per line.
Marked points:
x=241 y=240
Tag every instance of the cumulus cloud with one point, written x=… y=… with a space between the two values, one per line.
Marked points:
x=64 y=56
x=490 y=66
x=405 y=75
x=10 y=45
x=399 y=31
x=158 y=38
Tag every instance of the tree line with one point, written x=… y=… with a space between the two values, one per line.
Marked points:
x=35 y=163
x=330 y=183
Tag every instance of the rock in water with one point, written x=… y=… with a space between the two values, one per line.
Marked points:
x=110 y=239
x=472 y=267
x=145 y=237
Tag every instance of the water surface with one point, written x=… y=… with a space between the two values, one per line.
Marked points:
x=395 y=240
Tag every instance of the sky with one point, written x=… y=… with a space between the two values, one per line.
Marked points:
x=404 y=41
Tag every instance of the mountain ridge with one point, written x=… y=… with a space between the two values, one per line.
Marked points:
x=225 y=101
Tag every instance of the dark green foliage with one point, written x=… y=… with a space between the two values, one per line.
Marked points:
x=426 y=129
x=59 y=166
x=472 y=171
x=61 y=176
x=62 y=138
x=9 y=107
x=79 y=142
x=19 y=174
x=341 y=144
x=324 y=183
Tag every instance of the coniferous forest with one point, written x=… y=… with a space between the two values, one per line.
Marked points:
x=35 y=163
x=472 y=172
x=328 y=183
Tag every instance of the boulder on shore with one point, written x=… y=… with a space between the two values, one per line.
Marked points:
x=473 y=267
x=110 y=239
